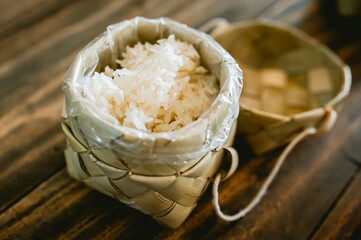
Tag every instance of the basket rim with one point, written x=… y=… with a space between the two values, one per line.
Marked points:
x=192 y=139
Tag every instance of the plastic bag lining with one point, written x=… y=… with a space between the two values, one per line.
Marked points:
x=191 y=142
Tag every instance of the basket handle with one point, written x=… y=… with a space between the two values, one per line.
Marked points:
x=327 y=124
x=213 y=25
x=232 y=159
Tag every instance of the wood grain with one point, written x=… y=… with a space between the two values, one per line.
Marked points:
x=15 y=17
x=344 y=220
x=316 y=195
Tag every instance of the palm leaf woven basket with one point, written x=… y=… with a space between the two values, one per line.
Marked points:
x=160 y=174
x=292 y=82
x=293 y=87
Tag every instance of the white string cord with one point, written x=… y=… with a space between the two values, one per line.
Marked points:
x=328 y=123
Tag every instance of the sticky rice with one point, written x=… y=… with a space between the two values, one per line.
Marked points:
x=157 y=88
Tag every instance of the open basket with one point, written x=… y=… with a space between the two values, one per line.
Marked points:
x=293 y=87
x=292 y=82
x=160 y=174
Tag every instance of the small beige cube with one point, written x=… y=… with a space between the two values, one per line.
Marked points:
x=274 y=78
x=319 y=81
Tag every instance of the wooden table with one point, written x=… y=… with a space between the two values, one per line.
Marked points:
x=316 y=195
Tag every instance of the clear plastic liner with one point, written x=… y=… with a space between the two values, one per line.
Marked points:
x=190 y=143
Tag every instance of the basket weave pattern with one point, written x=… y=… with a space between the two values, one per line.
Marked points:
x=168 y=198
x=284 y=95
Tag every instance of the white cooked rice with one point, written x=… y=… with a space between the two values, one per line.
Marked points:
x=159 y=88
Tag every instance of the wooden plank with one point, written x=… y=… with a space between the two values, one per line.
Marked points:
x=344 y=221
x=216 y=8
x=36 y=33
x=14 y=17
x=352 y=147
x=82 y=214
x=32 y=143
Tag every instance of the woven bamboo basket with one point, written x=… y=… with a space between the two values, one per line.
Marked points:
x=291 y=82
x=160 y=174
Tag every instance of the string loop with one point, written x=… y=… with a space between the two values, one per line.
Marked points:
x=326 y=125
